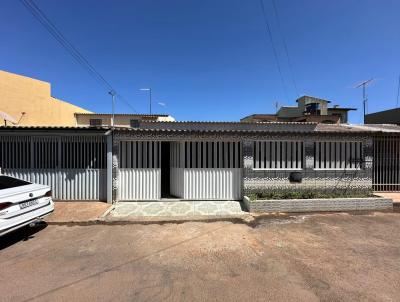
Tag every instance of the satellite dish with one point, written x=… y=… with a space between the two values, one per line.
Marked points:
x=7 y=118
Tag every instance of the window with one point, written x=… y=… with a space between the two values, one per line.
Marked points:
x=278 y=155
x=337 y=155
x=95 y=122
x=135 y=123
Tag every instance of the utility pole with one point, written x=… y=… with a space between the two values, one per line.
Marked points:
x=112 y=93
x=149 y=90
x=398 y=93
x=364 y=84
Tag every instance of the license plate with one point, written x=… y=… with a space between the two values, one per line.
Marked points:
x=28 y=204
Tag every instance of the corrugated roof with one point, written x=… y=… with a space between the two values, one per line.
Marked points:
x=214 y=127
x=123 y=114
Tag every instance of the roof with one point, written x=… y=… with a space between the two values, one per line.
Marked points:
x=384 y=111
x=223 y=127
x=312 y=97
x=122 y=114
x=341 y=108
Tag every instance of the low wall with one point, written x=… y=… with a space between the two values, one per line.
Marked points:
x=317 y=205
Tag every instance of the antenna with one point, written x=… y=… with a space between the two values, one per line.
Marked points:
x=364 y=84
x=7 y=118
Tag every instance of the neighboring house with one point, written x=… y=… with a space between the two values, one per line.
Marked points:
x=29 y=102
x=308 y=109
x=391 y=116
x=202 y=160
x=120 y=120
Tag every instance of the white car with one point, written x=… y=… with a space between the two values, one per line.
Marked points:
x=22 y=203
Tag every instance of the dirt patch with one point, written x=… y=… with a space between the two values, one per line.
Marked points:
x=77 y=211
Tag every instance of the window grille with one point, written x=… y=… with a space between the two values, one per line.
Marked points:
x=338 y=155
x=212 y=155
x=139 y=155
x=95 y=122
x=278 y=155
x=135 y=123
x=69 y=152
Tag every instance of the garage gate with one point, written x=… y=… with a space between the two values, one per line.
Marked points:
x=185 y=170
x=73 y=166
x=386 y=164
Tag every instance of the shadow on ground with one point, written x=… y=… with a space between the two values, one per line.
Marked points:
x=24 y=234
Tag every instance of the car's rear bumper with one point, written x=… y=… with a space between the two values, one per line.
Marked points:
x=9 y=225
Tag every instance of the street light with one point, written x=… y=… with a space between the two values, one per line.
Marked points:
x=112 y=93
x=149 y=90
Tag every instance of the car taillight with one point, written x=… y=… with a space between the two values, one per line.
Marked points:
x=48 y=194
x=4 y=205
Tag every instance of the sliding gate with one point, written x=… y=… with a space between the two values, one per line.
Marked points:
x=150 y=170
x=73 y=166
x=386 y=163
x=206 y=170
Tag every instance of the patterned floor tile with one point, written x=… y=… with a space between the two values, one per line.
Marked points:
x=176 y=208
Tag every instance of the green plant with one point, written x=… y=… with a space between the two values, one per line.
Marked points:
x=309 y=194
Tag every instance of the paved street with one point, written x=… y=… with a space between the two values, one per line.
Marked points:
x=319 y=257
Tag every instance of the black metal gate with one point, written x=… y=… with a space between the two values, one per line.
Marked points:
x=386 y=164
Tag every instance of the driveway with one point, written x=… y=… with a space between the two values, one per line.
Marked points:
x=319 y=257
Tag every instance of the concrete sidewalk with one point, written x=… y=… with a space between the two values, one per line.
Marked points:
x=165 y=209
x=77 y=211
x=395 y=196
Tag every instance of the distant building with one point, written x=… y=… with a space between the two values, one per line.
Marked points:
x=29 y=102
x=120 y=120
x=391 y=116
x=308 y=109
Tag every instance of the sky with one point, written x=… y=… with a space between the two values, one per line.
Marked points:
x=209 y=60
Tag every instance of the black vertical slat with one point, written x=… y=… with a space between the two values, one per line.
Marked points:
x=223 y=155
x=212 y=155
x=137 y=155
x=186 y=157
x=218 y=159
x=148 y=155
x=234 y=154
x=196 y=155
x=255 y=155
x=301 y=155
x=201 y=155
x=351 y=154
x=142 y=159
x=229 y=155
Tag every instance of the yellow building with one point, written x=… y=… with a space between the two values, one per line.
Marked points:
x=30 y=103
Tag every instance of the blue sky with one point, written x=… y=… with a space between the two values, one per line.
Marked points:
x=209 y=60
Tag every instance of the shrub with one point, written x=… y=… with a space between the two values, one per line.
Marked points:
x=309 y=194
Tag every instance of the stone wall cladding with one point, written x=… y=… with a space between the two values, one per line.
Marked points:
x=317 y=205
x=258 y=181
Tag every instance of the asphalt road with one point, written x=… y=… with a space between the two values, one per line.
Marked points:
x=320 y=257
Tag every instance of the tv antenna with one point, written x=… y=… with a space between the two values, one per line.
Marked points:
x=364 y=85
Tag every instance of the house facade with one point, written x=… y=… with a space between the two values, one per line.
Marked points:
x=201 y=160
x=120 y=120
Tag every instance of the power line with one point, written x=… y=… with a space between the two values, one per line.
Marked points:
x=268 y=28
x=69 y=47
x=285 y=47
